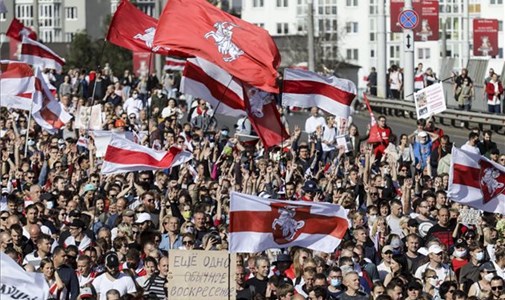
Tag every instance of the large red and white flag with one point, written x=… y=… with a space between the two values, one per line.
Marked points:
x=314 y=225
x=477 y=181
x=264 y=116
x=123 y=156
x=132 y=29
x=205 y=80
x=17 y=30
x=307 y=89
x=174 y=64
x=200 y=29
x=39 y=55
x=17 y=84
x=47 y=111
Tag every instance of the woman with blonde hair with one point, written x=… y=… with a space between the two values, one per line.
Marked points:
x=187 y=227
x=300 y=256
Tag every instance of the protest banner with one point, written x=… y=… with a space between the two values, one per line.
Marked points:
x=89 y=117
x=430 y=101
x=485 y=37
x=200 y=274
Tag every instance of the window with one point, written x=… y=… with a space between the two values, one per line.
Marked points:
x=351 y=27
x=282 y=3
x=500 y=25
x=351 y=2
x=496 y=1
x=71 y=13
x=352 y=54
x=262 y=25
x=424 y=53
x=282 y=28
x=372 y=53
x=24 y=12
x=258 y=3
x=2 y=17
x=372 y=36
x=69 y=36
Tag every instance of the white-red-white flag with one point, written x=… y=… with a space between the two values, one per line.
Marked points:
x=314 y=225
x=123 y=156
x=307 y=89
x=17 y=84
x=39 y=55
x=203 y=79
x=477 y=181
x=174 y=64
x=47 y=111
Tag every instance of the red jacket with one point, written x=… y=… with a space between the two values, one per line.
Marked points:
x=490 y=90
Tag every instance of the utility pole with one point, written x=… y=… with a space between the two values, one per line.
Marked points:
x=444 y=38
x=310 y=35
x=466 y=34
x=408 y=68
x=381 y=50
x=157 y=57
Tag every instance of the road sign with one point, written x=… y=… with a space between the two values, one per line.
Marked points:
x=408 y=19
x=408 y=40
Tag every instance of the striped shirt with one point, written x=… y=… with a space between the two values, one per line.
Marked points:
x=156 y=286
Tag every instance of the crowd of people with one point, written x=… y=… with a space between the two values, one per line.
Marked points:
x=109 y=237
x=463 y=87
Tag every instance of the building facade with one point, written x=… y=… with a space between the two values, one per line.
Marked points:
x=347 y=29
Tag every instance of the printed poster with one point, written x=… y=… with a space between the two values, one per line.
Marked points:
x=430 y=101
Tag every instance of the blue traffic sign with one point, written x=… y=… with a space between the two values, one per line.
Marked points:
x=408 y=19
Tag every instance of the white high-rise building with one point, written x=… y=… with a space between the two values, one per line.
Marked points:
x=349 y=27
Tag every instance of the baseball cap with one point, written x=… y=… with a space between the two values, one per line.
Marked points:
x=143 y=217
x=395 y=243
x=488 y=266
x=75 y=213
x=310 y=186
x=412 y=223
x=435 y=249
x=414 y=285
x=387 y=248
x=77 y=223
x=111 y=260
x=128 y=213
x=422 y=134
x=460 y=243
x=89 y=187
x=283 y=258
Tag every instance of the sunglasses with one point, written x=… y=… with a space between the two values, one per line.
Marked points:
x=497 y=288
x=187 y=242
x=3 y=218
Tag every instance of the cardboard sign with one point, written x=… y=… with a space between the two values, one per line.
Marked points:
x=469 y=216
x=430 y=101
x=485 y=37
x=197 y=274
x=89 y=117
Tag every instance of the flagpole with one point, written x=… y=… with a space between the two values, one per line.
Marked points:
x=28 y=126
x=148 y=106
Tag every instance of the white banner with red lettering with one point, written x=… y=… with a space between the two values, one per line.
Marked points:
x=257 y=224
x=477 y=181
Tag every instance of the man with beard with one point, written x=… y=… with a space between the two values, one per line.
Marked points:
x=113 y=279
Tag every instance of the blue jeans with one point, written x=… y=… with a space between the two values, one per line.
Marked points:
x=494 y=109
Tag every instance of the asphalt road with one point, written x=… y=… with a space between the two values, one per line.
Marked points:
x=399 y=125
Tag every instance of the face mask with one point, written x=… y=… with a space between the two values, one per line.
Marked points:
x=22 y=131
x=135 y=96
x=434 y=282
x=459 y=254
x=479 y=256
x=190 y=229
x=371 y=219
x=186 y=215
x=489 y=276
x=31 y=143
x=339 y=184
x=335 y=282
x=224 y=132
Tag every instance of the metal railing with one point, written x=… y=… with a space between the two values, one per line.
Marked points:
x=481 y=119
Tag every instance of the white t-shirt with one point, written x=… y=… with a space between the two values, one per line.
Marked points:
x=123 y=284
x=329 y=135
x=312 y=123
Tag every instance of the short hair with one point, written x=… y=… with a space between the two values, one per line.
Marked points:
x=43 y=237
x=445 y=287
x=284 y=289
x=84 y=257
x=473 y=135
x=309 y=270
x=260 y=258
x=112 y=292
x=58 y=250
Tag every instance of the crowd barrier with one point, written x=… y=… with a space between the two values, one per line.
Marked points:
x=450 y=116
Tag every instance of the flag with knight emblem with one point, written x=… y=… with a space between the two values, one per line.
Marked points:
x=477 y=181
x=258 y=224
x=200 y=29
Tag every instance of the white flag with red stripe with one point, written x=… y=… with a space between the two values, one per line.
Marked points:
x=39 y=55
x=52 y=115
x=477 y=181
x=307 y=89
x=123 y=156
x=174 y=64
x=17 y=84
x=203 y=79
x=314 y=225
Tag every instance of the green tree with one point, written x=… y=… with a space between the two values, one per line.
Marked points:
x=82 y=52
